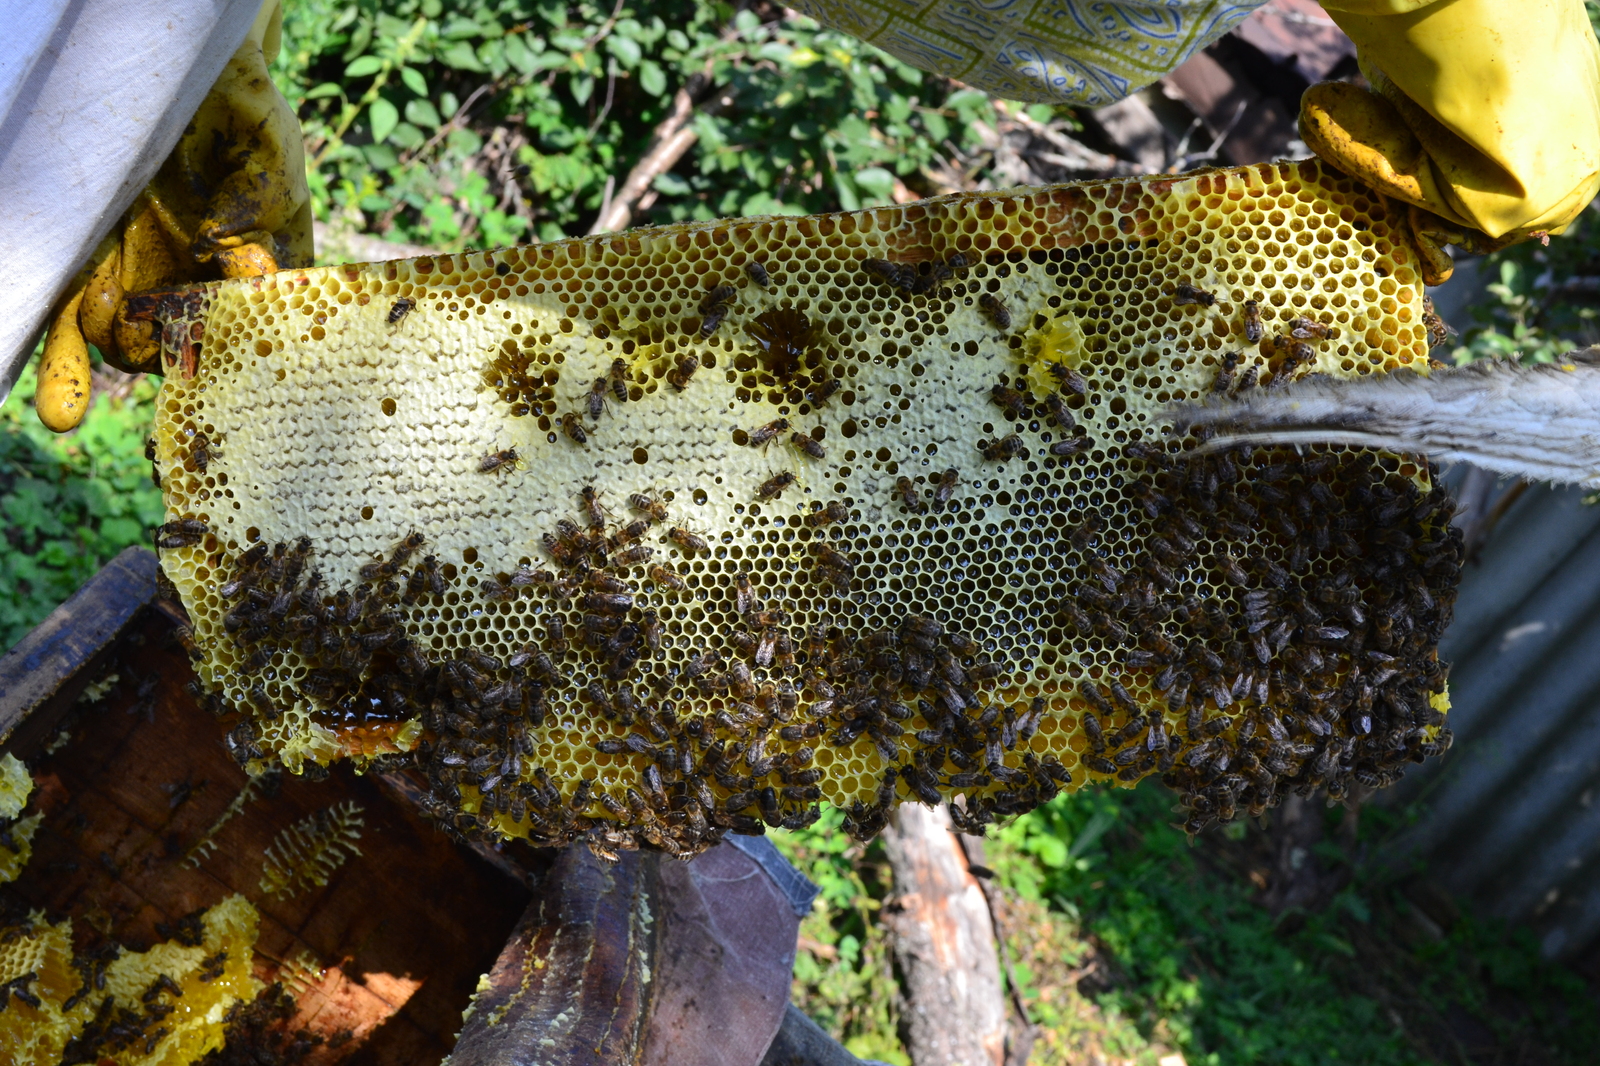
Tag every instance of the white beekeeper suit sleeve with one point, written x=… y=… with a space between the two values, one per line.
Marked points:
x=94 y=94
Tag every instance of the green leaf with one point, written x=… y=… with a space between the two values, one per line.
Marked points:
x=876 y=182
x=519 y=55
x=327 y=88
x=363 y=66
x=628 y=51
x=461 y=56
x=414 y=80
x=422 y=113
x=651 y=78
x=384 y=117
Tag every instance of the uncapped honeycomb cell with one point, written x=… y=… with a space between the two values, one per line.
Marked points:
x=648 y=537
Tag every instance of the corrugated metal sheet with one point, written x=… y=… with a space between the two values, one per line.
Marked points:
x=1510 y=817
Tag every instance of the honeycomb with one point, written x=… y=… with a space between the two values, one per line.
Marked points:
x=650 y=537
x=162 y=1007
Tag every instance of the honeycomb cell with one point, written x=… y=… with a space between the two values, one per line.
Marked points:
x=654 y=552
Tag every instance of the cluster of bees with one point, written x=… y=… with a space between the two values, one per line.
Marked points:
x=115 y=1028
x=516 y=381
x=1304 y=677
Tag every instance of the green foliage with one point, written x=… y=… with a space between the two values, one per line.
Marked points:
x=1536 y=312
x=69 y=503
x=852 y=994
x=483 y=122
x=1188 y=959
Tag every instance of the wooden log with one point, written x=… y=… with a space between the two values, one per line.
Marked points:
x=943 y=943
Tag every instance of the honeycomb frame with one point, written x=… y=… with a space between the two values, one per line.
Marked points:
x=885 y=505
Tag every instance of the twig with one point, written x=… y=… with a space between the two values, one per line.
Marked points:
x=671 y=139
x=1184 y=162
x=611 y=91
x=455 y=120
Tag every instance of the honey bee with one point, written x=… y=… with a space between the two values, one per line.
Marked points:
x=596 y=399
x=680 y=374
x=764 y=435
x=811 y=447
x=401 y=308
x=668 y=579
x=607 y=602
x=834 y=512
x=1185 y=295
x=492 y=590
x=1069 y=378
x=601 y=581
x=1223 y=382
x=906 y=489
x=650 y=630
x=1009 y=400
x=572 y=426
x=687 y=540
x=594 y=510
x=818 y=394
x=649 y=504
x=996 y=309
x=775 y=485
x=745 y=596
x=758 y=273
x=618 y=380
x=181 y=533
x=1307 y=329
x=1071 y=446
x=714 y=308
x=893 y=274
x=946 y=487
x=1008 y=447
x=202 y=452
x=1060 y=412
x=1299 y=354
x=1439 y=331
x=211 y=967
x=1229 y=565
x=1253 y=331
x=630 y=533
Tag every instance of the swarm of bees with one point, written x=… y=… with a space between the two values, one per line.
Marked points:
x=833 y=588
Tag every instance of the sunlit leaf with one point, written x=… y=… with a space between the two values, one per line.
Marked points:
x=384 y=117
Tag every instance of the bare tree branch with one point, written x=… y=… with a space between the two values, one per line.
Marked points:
x=673 y=137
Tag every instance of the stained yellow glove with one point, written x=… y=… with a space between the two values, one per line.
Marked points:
x=1484 y=115
x=230 y=201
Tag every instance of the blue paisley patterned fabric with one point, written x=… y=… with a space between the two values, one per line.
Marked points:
x=1083 y=52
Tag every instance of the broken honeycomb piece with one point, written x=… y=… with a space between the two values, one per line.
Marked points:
x=628 y=546
x=162 y=1007
x=16 y=785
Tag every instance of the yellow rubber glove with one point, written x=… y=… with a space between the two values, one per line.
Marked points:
x=237 y=211
x=1484 y=115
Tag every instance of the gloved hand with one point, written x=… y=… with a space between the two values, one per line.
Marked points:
x=230 y=201
x=1484 y=115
